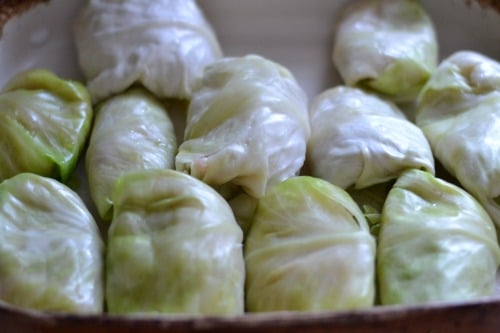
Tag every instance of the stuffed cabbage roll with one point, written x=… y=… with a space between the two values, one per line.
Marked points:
x=459 y=112
x=44 y=123
x=132 y=132
x=174 y=247
x=386 y=46
x=163 y=45
x=436 y=243
x=50 y=247
x=247 y=126
x=309 y=249
x=358 y=139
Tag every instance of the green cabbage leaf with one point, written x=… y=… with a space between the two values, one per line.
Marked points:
x=51 y=252
x=44 y=123
x=309 y=248
x=174 y=247
x=436 y=244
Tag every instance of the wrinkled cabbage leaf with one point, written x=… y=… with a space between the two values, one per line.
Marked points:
x=163 y=45
x=247 y=126
x=459 y=112
x=359 y=140
x=386 y=46
x=309 y=248
x=132 y=132
x=174 y=247
x=436 y=243
x=44 y=123
x=51 y=253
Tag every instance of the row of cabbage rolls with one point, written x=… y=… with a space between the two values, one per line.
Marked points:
x=270 y=202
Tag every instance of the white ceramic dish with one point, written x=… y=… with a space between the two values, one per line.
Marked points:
x=299 y=35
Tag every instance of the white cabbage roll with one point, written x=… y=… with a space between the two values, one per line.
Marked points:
x=162 y=44
x=309 y=249
x=358 y=139
x=132 y=132
x=174 y=247
x=247 y=126
x=436 y=244
x=51 y=252
x=386 y=46
x=459 y=112
x=45 y=121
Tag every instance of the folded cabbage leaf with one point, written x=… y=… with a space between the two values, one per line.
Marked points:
x=174 y=247
x=436 y=243
x=386 y=46
x=44 y=123
x=51 y=252
x=247 y=126
x=163 y=45
x=459 y=112
x=359 y=140
x=132 y=132
x=309 y=248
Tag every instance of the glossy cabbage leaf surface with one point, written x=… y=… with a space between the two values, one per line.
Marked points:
x=51 y=252
x=174 y=247
x=309 y=248
x=247 y=126
x=132 y=132
x=459 y=112
x=436 y=244
x=44 y=123
x=163 y=45
x=359 y=140
x=386 y=46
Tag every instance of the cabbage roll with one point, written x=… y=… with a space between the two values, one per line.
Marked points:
x=51 y=252
x=44 y=123
x=386 y=46
x=132 y=132
x=459 y=112
x=309 y=248
x=436 y=243
x=174 y=247
x=162 y=44
x=247 y=126
x=359 y=140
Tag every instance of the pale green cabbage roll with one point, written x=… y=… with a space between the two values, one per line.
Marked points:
x=174 y=247
x=132 y=132
x=309 y=249
x=162 y=44
x=459 y=112
x=51 y=252
x=44 y=123
x=358 y=139
x=436 y=243
x=386 y=46
x=247 y=126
